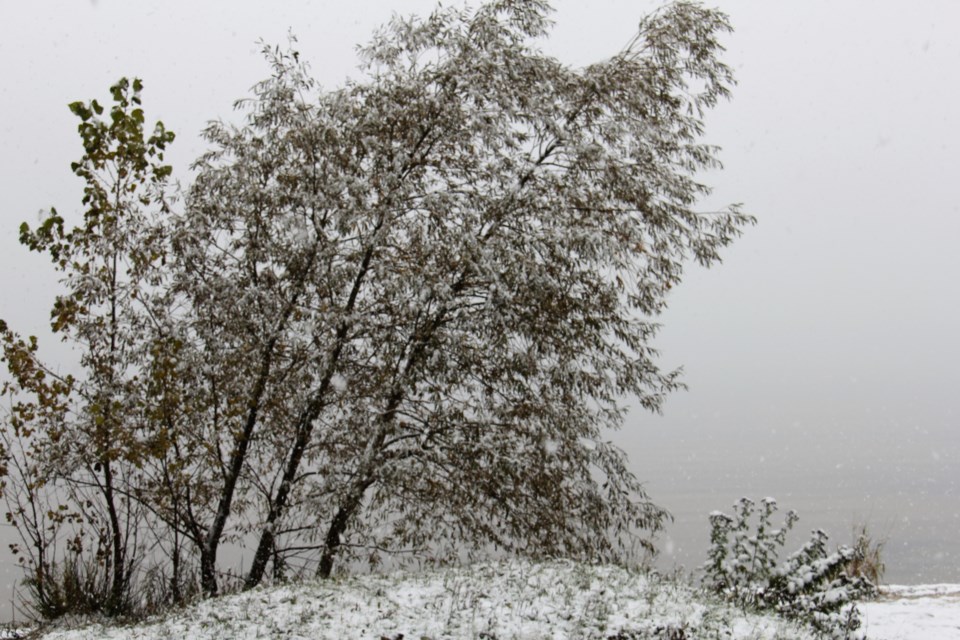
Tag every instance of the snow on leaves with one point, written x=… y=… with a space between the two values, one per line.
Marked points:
x=396 y=317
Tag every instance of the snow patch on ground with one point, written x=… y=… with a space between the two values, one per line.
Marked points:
x=923 y=612
x=515 y=600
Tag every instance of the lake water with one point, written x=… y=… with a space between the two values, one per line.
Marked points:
x=903 y=484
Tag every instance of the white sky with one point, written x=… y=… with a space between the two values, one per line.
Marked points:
x=822 y=355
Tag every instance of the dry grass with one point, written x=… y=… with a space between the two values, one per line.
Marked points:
x=868 y=559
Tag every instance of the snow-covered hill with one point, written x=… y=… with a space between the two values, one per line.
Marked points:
x=512 y=600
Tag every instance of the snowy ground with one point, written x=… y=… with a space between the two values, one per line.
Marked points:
x=929 y=612
x=514 y=600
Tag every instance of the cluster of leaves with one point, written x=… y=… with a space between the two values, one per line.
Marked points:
x=811 y=584
x=394 y=318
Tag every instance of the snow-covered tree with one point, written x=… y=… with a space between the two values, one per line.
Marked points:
x=445 y=277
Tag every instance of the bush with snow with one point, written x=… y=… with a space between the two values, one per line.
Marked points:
x=811 y=585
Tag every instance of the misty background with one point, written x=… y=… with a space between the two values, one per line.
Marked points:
x=821 y=356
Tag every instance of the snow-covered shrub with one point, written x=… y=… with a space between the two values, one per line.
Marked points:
x=811 y=585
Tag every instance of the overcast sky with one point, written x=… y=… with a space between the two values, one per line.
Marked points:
x=822 y=356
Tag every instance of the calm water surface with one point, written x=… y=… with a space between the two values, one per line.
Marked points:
x=905 y=486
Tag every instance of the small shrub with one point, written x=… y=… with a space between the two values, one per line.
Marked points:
x=77 y=585
x=812 y=585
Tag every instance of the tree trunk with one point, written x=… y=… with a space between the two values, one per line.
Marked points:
x=368 y=468
x=265 y=548
x=118 y=586
x=241 y=444
x=332 y=543
x=208 y=550
x=268 y=535
x=208 y=569
x=338 y=526
x=304 y=431
x=175 y=594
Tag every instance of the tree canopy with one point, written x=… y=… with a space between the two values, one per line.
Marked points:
x=391 y=319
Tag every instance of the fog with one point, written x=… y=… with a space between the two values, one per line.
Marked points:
x=821 y=356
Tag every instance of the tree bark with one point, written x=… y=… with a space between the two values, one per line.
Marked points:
x=208 y=569
x=118 y=586
x=332 y=541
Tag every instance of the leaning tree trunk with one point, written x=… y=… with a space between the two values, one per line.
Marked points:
x=338 y=526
